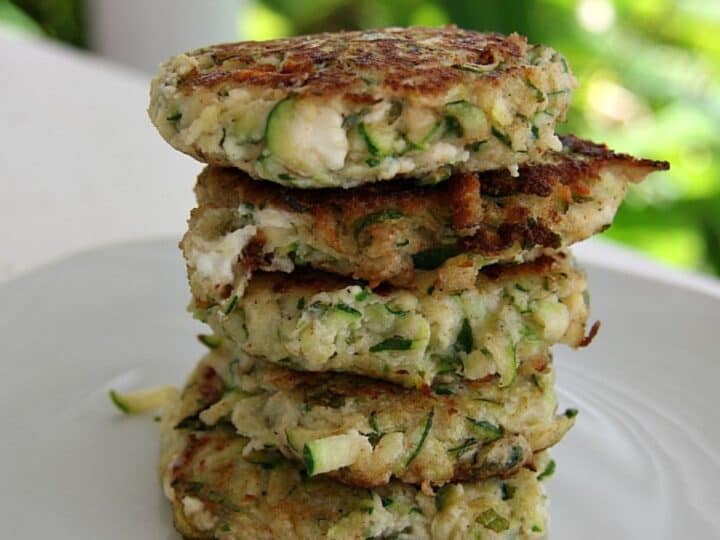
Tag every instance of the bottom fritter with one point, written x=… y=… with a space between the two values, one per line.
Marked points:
x=217 y=491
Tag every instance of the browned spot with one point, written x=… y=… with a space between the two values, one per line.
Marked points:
x=581 y=162
x=479 y=383
x=210 y=386
x=528 y=234
x=361 y=99
x=253 y=255
x=326 y=226
x=195 y=444
x=591 y=335
x=425 y=390
x=536 y=364
x=517 y=213
x=636 y=168
x=539 y=266
x=465 y=200
x=535 y=180
x=223 y=291
x=303 y=279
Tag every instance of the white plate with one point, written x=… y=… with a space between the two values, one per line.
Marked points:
x=642 y=462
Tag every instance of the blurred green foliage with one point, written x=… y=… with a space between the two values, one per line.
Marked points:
x=649 y=73
x=60 y=19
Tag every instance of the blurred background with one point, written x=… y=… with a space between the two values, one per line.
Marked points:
x=649 y=73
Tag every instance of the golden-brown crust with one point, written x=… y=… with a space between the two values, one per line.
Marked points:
x=195 y=443
x=581 y=162
x=602 y=154
x=541 y=266
x=529 y=233
x=304 y=278
x=381 y=232
x=420 y=61
x=356 y=386
x=401 y=194
x=309 y=279
x=463 y=201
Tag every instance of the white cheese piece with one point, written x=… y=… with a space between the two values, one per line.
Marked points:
x=214 y=260
x=197 y=514
x=377 y=113
x=443 y=152
x=318 y=136
x=271 y=217
x=501 y=113
x=205 y=124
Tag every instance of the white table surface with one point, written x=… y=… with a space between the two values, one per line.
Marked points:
x=81 y=165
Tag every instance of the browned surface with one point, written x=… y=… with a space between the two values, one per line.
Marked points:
x=581 y=163
x=540 y=266
x=195 y=443
x=210 y=386
x=582 y=160
x=492 y=214
x=465 y=201
x=210 y=468
x=357 y=386
x=528 y=233
x=304 y=280
x=400 y=60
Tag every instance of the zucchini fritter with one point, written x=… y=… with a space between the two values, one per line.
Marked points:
x=348 y=108
x=496 y=321
x=220 y=490
x=384 y=232
x=365 y=432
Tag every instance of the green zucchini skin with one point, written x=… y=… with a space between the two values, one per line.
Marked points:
x=425 y=432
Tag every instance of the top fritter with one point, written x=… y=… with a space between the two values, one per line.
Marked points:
x=350 y=108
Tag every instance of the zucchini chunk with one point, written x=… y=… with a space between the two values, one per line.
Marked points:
x=332 y=453
x=140 y=401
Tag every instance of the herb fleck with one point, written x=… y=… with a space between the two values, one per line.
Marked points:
x=395 y=343
x=548 y=471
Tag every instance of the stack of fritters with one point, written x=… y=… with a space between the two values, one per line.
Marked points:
x=380 y=248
